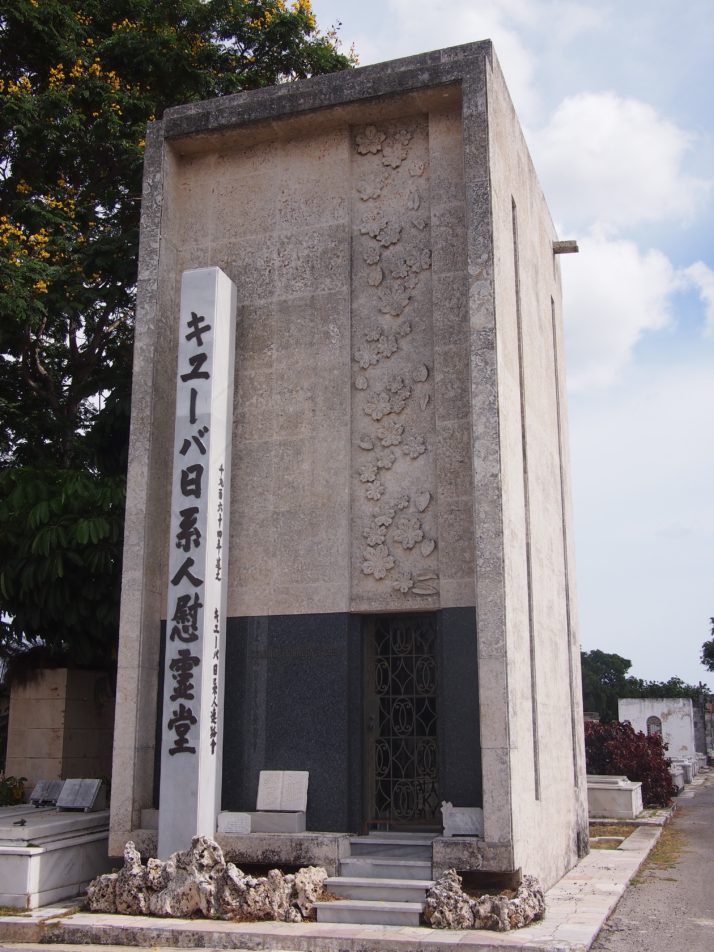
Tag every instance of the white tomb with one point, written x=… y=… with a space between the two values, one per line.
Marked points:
x=281 y=805
x=47 y=855
x=615 y=797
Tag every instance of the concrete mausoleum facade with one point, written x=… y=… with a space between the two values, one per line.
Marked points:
x=400 y=609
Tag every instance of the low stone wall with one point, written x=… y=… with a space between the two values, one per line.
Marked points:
x=449 y=907
x=198 y=881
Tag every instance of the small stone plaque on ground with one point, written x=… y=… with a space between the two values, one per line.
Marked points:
x=229 y=822
x=283 y=790
x=80 y=795
x=46 y=792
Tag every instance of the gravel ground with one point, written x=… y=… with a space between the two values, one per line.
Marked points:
x=671 y=906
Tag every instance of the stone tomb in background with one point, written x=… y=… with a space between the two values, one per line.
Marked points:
x=400 y=619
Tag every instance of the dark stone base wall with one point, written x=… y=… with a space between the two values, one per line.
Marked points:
x=294 y=701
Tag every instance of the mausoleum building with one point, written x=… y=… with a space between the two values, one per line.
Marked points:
x=400 y=619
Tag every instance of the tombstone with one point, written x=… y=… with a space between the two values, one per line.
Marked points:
x=672 y=718
x=614 y=797
x=398 y=614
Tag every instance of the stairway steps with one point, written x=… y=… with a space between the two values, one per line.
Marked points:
x=379 y=867
x=370 y=912
x=372 y=888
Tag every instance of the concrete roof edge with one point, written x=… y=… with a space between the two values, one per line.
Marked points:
x=435 y=68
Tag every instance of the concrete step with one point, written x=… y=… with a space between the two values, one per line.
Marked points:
x=369 y=887
x=370 y=912
x=375 y=867
x=401 y=847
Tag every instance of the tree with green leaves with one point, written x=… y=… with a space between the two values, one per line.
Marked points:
x=604 y=681
x=79 y=80
x=707 y=657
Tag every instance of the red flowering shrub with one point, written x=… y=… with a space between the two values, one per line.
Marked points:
x=616 y=748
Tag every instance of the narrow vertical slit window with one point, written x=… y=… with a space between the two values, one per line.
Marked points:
x=566 y=564
x=526 y=504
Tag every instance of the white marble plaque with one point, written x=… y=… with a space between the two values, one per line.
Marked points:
x=283 y=790
x=78 y=794
x=198 y=546
x=229 y=822
x=46 y=792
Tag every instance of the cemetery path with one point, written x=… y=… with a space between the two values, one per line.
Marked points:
x=670 y=904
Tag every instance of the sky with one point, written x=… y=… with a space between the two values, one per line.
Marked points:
x=615 y=101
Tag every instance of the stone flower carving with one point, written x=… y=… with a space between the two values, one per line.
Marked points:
x=402 y=270
x=420 y=373
x=402 y=502
x=366 y=442
x=389 y=234
x=390 y=433
x=394 y=148
x=373 y=223
x=366 y=356
x=393 y=299
x=387 y=345
x=371 y=254
x=377 y=561
x=404 y=329
x=375 y=276
x=378 y=405
x=384 y=517
x=367 y=189
x=370 y=140
x=374 y=333
x=375 y=490
x=408 y=531
x=368 y=473
x=361 y=382
x=375 y=535
x=419 y=260
x=403 y=582
x=386 y=459
x=414 y=446
x=397 y=383
x=416 y=168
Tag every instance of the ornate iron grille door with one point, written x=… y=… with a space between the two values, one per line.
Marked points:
x=402 y=721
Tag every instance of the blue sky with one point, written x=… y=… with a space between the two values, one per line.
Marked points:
x=615 y=101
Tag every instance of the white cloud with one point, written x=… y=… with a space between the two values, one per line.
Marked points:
x=702 y=278
x=615 y=161
x=613 y=294
x=407 y=27
x=644 y=516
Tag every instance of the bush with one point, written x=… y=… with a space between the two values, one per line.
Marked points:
x=616 y=748
x=12 y=790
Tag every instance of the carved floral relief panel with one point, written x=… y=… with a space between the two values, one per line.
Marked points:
x=395 y=559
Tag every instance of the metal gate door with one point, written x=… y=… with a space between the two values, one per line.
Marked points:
x=401 y=750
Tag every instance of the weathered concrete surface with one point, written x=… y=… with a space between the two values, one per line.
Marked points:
x=672 y=908
x=399 y=417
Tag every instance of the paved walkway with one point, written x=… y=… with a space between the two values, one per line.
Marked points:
x=577 y=906
x=672 y=906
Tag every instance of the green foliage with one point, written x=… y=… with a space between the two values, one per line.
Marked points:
x=617 y=749
x=605 y=679
x=707 y=658
x=79 y=80
x=12 y=790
